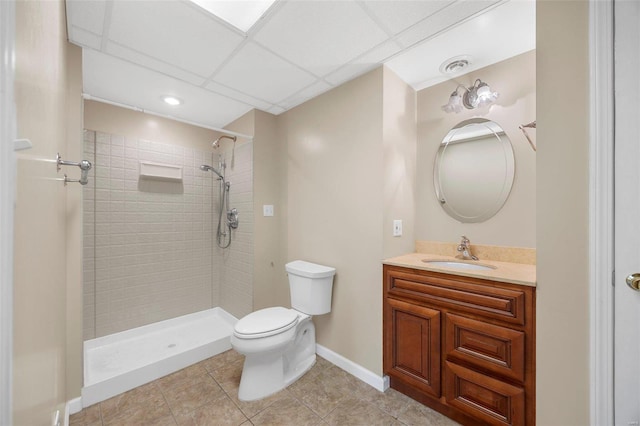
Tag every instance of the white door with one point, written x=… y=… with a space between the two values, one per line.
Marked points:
x=7 y=200
x=627 y=211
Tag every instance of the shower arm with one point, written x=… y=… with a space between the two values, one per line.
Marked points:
x=216 y=144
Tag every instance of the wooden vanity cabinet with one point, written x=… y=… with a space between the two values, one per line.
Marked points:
x=462 y=346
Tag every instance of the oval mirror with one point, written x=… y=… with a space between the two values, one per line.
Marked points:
x=474 y=170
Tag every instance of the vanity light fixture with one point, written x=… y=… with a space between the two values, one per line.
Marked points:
x=476 y=96
x=171 y=100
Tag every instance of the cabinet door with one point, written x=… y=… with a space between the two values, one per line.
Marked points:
x=412 y=345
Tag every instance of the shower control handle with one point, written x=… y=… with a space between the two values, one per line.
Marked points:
x=232 y=218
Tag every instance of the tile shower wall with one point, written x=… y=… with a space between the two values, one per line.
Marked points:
x=149 y=246
x=236 y=289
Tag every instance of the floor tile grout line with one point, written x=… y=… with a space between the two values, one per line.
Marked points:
x=394 y=410
x=101 y=416
x=227 y=393
x=167 y=402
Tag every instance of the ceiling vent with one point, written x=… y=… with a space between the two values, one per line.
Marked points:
x=455 y=65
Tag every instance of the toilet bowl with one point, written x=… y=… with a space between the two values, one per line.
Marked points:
x=279 y=344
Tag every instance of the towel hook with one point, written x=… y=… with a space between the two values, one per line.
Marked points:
x=84 y=166
x=531 y=125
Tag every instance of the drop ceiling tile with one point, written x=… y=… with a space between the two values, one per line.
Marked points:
x=84 y=38
x=173 y=32
x=119 y=81
x=365 y=63
x=442 y=20
x=305 y=94
x=398 y=15
x=320 y=36
x=153 y=64
x=259 y=72
x=234 y=94
x=88 y=15
x=420 y=66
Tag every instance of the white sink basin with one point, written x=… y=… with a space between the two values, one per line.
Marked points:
x=458 y=265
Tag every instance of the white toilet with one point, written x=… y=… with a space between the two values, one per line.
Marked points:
x=279 y=344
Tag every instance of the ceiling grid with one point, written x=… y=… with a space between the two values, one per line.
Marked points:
x=136 y=52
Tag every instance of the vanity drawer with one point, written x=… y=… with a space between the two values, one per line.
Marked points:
x=485 y=398
x=480 y=297
x=494 y=349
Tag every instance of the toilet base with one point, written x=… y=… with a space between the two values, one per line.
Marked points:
x=264 y=374
x=264 y=378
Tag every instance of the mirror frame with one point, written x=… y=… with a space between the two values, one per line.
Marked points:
x=509 y=164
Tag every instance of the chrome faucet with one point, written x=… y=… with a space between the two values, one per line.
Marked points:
x=465 y=249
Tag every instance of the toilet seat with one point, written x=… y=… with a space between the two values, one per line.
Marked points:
x=265 y=322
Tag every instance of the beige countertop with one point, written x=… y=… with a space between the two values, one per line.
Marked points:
x=507 y=272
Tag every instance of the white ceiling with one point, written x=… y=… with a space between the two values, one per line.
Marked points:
x=137 y=51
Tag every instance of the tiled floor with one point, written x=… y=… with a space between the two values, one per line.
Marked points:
x=207 y=394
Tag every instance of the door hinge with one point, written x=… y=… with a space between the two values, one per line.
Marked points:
x=613 y=278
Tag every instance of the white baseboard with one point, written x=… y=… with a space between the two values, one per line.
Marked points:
x=74 y=406
x=379 y=383
x=367 y=376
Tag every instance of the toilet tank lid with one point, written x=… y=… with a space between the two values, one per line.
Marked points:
x=309 y=270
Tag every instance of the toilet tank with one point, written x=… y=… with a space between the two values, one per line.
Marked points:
x=311 y=286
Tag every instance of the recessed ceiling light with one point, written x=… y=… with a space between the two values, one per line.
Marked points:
x=241 y=14
x=172 y=100
x=455 y=65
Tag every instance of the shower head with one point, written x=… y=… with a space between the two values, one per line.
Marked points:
x=216 y=143
x=207 y=168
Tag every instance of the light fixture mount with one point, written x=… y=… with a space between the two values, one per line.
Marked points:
x=476 y=96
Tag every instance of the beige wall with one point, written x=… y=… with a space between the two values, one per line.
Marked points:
x=399 y=136
x=515 y=223
x=270 y=174
x=346 y=180
x=270 y=287
x=47 y=221
x=74 y=225
x=563 y=213
x=108 y=118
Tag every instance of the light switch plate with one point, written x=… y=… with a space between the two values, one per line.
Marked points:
x=267 y=210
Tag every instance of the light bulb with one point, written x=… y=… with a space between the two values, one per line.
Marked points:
x=484 y=95
x=454 y=104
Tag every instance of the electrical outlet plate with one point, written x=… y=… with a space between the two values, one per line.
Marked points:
x=267 y=210
x=397 y=228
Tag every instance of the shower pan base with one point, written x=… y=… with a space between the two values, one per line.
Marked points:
x=122 y=361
